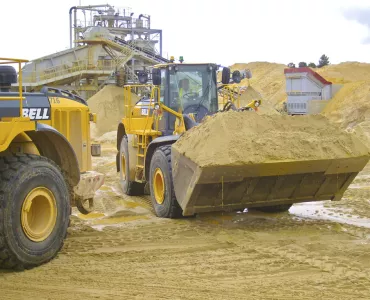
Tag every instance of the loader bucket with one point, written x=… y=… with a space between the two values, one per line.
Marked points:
x=216 y=188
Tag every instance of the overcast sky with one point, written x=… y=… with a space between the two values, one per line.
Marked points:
x=233 y=31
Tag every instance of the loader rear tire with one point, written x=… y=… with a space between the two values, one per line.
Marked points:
x=275 y=208
x=161 y=184
x=129 y=187
x=34 y=211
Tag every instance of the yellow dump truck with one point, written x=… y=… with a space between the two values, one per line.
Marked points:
x=179 y=99
x=45 y=168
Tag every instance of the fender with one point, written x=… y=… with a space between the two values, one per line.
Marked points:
x=121 y=131
x=53 y=145
x=163 y=140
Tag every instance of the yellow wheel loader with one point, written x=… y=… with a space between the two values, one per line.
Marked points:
x=45 y=169
x=180 y=97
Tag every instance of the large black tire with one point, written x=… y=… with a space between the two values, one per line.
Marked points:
x=225 y=75
x=275 y=208
x=161 y=160
x=130 y=188
x=19 y=175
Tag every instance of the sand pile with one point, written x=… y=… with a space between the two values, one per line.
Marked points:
x=351 y=105
x=109 y=107
x=247 y=96
x=251 y=94
x=235 y=138
x=345 y=72
x=108 y=137
x=268 y=79
x=362 y=131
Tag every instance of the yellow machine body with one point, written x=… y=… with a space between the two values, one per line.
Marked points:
x=162 y=116
x=72 y=119
x=68 y=117
x=155 y=120
x=45 y=168
x=53 y=123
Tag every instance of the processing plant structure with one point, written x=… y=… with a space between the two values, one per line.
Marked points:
x=108 y=45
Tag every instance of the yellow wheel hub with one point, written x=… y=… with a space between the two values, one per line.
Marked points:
x=158 y=186
x=39 y=214
x=123 y=166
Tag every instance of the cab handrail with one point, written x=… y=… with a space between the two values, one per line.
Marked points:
x=18 y=61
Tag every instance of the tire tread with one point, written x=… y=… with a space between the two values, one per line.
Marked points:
x=9 y=167
x=133 y=188
x=175 y=209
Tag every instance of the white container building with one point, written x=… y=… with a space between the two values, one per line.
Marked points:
x=306 y=89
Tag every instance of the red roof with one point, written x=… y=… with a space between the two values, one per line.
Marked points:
x=307 y=70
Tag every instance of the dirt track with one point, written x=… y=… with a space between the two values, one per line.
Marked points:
x=124 y=252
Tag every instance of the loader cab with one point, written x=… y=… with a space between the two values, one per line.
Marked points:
x=187 y=88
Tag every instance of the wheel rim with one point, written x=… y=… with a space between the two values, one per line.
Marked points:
x=39 y=214
x=123 y=166
x=158 y=185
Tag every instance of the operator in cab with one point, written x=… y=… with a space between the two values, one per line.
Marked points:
x=184 y=87
x=184 y=92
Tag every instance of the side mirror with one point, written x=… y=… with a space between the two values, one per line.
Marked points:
x=143 y=77
x=225 y=75
x=156 y=76
x=236 y=76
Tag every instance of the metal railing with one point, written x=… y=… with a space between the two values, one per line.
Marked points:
x=230 y=92
x=139 y=50
x=92 y=21
x=5 y=61
x=64 y=70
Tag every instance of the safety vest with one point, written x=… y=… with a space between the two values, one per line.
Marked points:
x=181 y=91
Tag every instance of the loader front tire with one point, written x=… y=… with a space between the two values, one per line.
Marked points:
x=34 y=211
x=161 y=185
x=275 y=208
x=129 y=187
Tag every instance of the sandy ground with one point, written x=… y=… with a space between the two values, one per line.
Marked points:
x=122 y=251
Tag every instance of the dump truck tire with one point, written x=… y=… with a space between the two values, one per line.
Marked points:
x=130 y=188
x=275 y=208
x=34 y=211
x=161 y=184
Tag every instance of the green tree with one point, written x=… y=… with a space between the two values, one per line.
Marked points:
x=312 y=65
x=302 y=64
x=324 y=61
